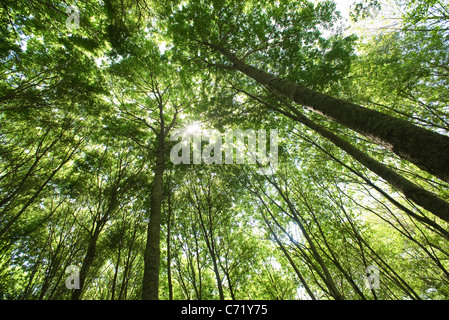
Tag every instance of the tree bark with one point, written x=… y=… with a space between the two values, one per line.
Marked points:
x=117 y=264
x=169 y=220
x=94 y=235
x=413 y=192
x=426 y=149
x=150 y=287
x=127 y=267
x=87 y=261
x=217 y=275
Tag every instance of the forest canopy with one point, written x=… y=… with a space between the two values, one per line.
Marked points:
x=221 y=149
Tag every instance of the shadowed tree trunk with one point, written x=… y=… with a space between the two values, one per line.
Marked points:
x=150 y=288
x=88 y=259
x=169 y=221
x=290 y=260
x=93 y=239
x=415 y=193
x=426 y=149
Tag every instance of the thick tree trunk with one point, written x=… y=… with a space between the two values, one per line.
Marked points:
x=150 y=287
x=415 y=193
x=426 y=149
x=95 y=234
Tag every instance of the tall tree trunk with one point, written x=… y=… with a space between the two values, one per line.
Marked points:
x=426 y=149
x=413 y=192
x=332 y=255
x=117 y=264
x=169 y=219
x=87 y=261
x=209 y=238
x=54 y=264
x=325 y=275
x=150 y=287
x=231 y=288
x=95 y=234
x=199 y=290
x=290 y=260
x=127 y=267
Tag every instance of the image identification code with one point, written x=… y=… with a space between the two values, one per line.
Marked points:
x=237 y=309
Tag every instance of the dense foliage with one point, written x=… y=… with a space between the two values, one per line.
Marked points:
x=91 y=93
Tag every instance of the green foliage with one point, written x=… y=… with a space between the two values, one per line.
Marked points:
x=82 y=112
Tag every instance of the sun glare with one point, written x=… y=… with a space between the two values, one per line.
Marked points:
x=193 y=128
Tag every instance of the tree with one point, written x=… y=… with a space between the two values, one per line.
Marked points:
x=91 y=114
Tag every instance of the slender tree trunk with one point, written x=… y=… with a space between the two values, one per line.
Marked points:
x=429 y=223
x=231 y=288
x=415 y=193
x=357 y=236
x=91 y=250
x=169 y=276
x=217 y=275
x=290 y=260
x=181 y=280
x=36 y=267
x=150 y=287
x=198 y=291
x=117 y=264
x=209 y=238
x=126 y=271
x=87 y=261
x=57 y=289
x=53 y=265
x=326 y=275
x=426 y=149
x=210 y=246
x=333 y=257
